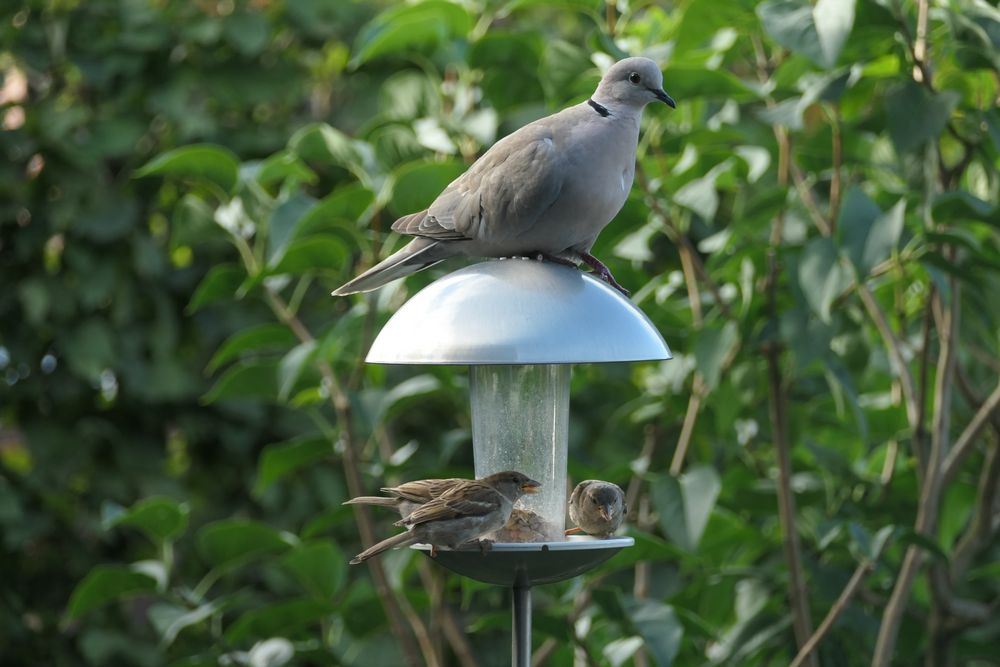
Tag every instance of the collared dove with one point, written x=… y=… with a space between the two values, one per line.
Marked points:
x=547 y=189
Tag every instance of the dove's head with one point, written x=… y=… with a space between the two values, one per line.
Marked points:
x=633 y=82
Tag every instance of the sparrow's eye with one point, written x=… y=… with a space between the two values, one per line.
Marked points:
x=594 y=500
x=634 y=77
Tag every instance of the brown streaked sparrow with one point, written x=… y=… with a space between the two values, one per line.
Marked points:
x=407 y=496
x=597 y=508
x=462 y=514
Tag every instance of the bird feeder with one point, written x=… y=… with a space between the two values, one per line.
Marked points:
x=519 y=325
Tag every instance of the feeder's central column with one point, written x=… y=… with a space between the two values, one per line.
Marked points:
x=520 y=421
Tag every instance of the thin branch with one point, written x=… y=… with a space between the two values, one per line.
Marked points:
x=980 y=530
x=453 y=632
x=895 y=352
x=805 y=194
x=698 y=393
x=411 y=648
x=930 y=492
x=838 y=607
x=684 y=244
x=921 y=70
x=967 y=439
x=835 y=174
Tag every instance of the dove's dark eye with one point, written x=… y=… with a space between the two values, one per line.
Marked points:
x=594 y=500
x=634 y=77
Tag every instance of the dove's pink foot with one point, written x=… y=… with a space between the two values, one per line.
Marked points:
x=602 y=271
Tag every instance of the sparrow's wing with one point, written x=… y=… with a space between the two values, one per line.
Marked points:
x=468 y=499
x=421 y=490
x=503 y=193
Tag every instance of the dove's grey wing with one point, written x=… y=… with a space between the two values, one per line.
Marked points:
x=501 y=195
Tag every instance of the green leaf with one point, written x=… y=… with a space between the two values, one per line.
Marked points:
x=322 y=143
x=790 y=24
x=960 y=206
x=700 y=194
x=237 y=541
x=687 y=83
x=284 y=166
x=348 y=203
x=659 y=628
x=169 y=619
x=90 y=348
x=280 y=459
x=106 y=583
x=408 y=27
x=821 y=276
x=202 y=162
x=247 y=31
x=160 y=518
x=315 y=253
x=867 y=235
x=684 y=504
x=418 y=183
x=833 y=20
x=246 y=379
x=915 y=115
x=816 y=32
x=291 y=367
x=283 y=618
x=220 y=283
x=283 y=222
x=711 y=349
x=318 y=567
x=261 y=338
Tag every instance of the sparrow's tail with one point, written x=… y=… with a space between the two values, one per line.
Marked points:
x=381 y=501
x=416 y=255
x=395 y=541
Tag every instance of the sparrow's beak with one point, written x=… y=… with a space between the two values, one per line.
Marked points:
x=531 y=486
x=605 y=512
x=661 y=95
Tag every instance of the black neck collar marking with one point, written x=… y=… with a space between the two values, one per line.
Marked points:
x=601 y=110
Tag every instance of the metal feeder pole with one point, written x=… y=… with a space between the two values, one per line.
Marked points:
x=521 y=634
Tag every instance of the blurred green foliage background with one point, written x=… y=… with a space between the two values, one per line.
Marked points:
x=183 y=408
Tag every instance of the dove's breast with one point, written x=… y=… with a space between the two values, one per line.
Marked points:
x=599 y=163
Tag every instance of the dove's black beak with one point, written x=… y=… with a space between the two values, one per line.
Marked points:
x=661 y=95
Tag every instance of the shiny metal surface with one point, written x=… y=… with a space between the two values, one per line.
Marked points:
x=517 y=311
x=530 y=563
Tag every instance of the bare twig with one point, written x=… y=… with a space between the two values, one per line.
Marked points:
x=838 y=607
x=930 y=493
x=698 y=393
x=455 y=635
x=921 y=68
x=981 y=527
x=684 y=244
x=895 y=352
x=411 y=648
x=835 y=174
x=967 y=439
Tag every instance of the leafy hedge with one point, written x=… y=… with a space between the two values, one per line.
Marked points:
x=814 y=231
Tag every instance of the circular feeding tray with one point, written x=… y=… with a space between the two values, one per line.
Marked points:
x=530 y=563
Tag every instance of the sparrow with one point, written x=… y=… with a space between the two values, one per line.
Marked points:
x=597 y=508
x=525 y=526
x=463 y=513
x=547 y=189
x=407 y=496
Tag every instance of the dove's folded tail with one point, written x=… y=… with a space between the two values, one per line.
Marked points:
x=395 y=541
x=414 y=256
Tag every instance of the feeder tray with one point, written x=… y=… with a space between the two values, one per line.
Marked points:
x=529 y=563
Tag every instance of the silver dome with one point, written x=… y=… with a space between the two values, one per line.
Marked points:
x=517 y=311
